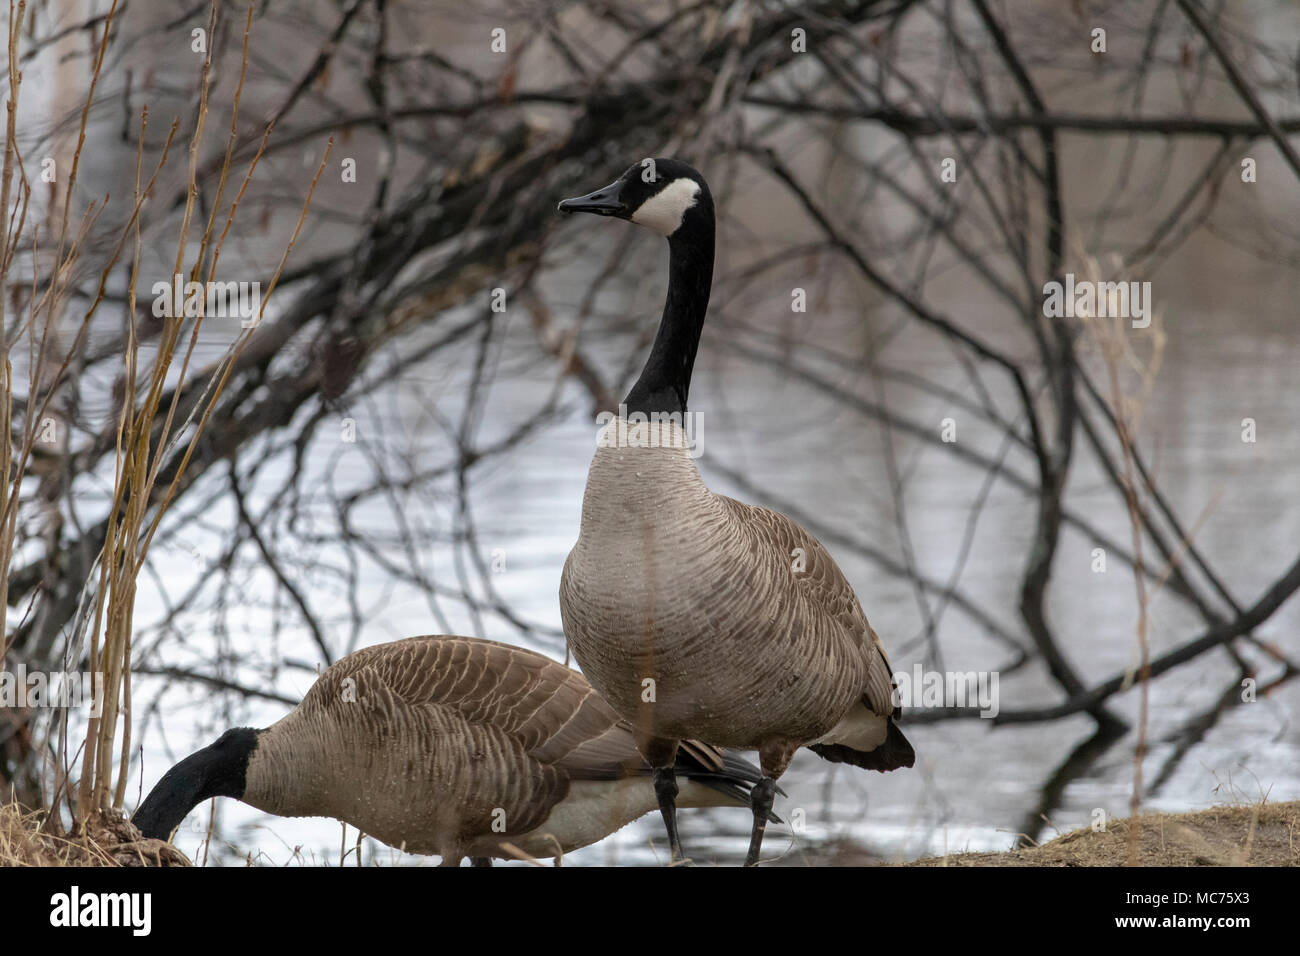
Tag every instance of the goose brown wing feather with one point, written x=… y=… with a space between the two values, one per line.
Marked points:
x=824 y=588
x=419 y=717
x=549 y=709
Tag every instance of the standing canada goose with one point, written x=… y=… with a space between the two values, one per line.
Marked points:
x=695 y=615
x=447 y=745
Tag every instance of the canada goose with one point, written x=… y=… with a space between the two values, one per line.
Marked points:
x=695 y=615
x=447 y=745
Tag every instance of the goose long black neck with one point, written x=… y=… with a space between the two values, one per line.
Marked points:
x=219 y=770
x=665 y=380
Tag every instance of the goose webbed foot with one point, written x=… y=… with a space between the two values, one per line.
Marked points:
x=760 y=798
x=665 y=781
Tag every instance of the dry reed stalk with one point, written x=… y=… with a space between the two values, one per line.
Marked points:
x=146 y=433
x=1118 y=352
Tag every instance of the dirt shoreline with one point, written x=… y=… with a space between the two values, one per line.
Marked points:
x=1257 y=835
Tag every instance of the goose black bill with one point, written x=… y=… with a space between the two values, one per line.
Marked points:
x=603 y=202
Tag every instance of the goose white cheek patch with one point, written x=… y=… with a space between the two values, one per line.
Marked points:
x=663 y=211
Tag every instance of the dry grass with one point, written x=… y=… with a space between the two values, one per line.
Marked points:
x=1259 y=835
x=109 y=840
x=1237 y=835
x=1267 y=835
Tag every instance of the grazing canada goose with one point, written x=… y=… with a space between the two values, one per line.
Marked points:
x=694 y=615
x=447 y=745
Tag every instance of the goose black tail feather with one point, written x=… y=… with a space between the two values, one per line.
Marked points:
x=894 y=753
x=735 y=777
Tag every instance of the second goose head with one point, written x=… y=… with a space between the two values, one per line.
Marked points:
x=671 y=198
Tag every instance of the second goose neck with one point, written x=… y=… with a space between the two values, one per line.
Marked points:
x=666 y=378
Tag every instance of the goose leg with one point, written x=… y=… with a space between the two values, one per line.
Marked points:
x=760 y=798
x=774 y=756
x=666 y=793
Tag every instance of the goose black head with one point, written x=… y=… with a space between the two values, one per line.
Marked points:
x=218 y=770
x=664 y=195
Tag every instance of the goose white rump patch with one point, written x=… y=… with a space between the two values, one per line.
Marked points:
x=860 y=729
x=663 y=211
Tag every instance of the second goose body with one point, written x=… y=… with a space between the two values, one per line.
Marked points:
x=693 y=614
x=450 y=745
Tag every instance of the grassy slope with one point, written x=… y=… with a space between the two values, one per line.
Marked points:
x=1266 y=835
